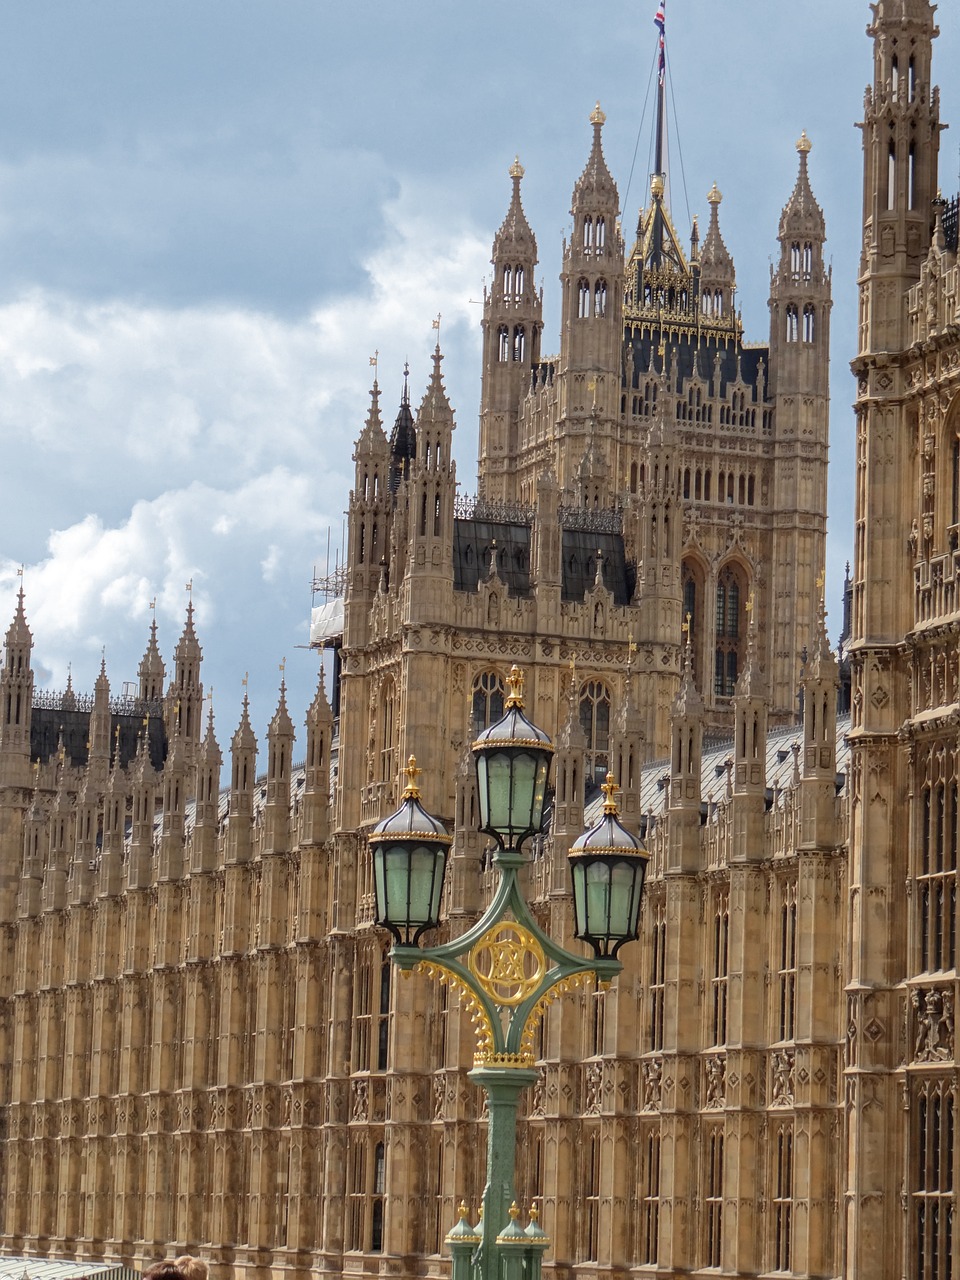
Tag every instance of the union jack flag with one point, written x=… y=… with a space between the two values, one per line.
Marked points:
x=660 y=23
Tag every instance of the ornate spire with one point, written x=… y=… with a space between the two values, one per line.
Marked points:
x=515 y=233
x=596 y=184
x=372 y=439
x=716 y=264
x=802 y=217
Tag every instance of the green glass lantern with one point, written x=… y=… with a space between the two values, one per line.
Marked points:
x=513 y=764
x=409 y=860
x=608 y=866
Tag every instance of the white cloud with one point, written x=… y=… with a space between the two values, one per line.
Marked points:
x=156 y=446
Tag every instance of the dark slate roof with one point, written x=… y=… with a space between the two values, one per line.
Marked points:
x=472 y=540
x=697 y=357
x=580 y=547
x=47 y=724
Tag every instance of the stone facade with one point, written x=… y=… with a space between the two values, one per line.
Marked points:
x=204 y=1045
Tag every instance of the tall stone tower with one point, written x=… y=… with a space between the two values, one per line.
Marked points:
x=902 y=1057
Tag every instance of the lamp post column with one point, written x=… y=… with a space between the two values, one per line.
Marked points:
x=503 y=1086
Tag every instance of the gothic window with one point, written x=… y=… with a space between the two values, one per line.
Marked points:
x=503 y=344
x=600 y=298
x=795 y=259
x=595 y=722
x=387 y=719
x=751 y=491
x=487 y=706
x=718 y=303
x=705 y=303
x=911 y=175
x=721 y=942
x=583 y=292
x=591 y=1233
x=383 y=1017
x=362 y=549
x=807 y=261
x=436 y=514
x=601 y=234
x=783 y=1200
x=519 y=342
x=728 y=626
x=742 y=489
x=379 y=1190
x=707 y=476
x=658 y=975
x=358 y=1192
x=895 y=77
x=713 y=1198
x=507 y=281
x=793 y=324
x=649 y=1198
x=933 y=1195
x=809 y=322
x=633 y=477
x=518 y=282
x=597 y=1021
x=912 y=79
x=937 y=871
x=686 y=482
x=892 y=176
x=787 y=965
x=588 y=233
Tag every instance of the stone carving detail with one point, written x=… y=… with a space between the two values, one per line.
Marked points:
x=782 y=1084
x=652 y=1084
x=536 y=1102
x=360 y=1100
x=715 y=1090
x=934 y=1024
x=593 y=1088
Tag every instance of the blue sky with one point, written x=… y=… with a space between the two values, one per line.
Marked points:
x=212 y=214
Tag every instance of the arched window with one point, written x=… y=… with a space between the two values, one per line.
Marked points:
x=795 y=258
x=595 y=722
x=633 y=478
x=519 y=342
x=807 y=261
x=729 y=626
x=507 y=281
x=809 y=322
x=601 y=234
x=686 y=482
x=583 y=301
x=718 y=303
x=895 y=77
x=911 y=175
x=600 y=298
x=793 y=323
x=912 y=79
x=588 y=233
x=518 y=282
x=503 y=344
x=487 y=704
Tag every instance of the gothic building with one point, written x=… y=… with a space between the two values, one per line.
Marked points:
x=204 y=1046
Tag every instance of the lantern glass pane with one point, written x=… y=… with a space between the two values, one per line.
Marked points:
x=499 y=789
x=579 y=899
x=423 y=877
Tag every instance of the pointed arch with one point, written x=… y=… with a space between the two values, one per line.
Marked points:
x=729 y=627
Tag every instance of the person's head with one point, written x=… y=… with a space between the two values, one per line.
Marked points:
x=192 y=1268
x=165 y=1269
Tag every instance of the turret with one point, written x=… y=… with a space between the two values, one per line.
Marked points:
x=749 y=754
x=110 y=879
x=16 y=701
x=368 y=516
x=35 y=842
x=243 y=751
x=718 y=279
x=175 y=773
x=184 y=703
x=276 y=811
x=512 y=324
x=62 y=838
x=143 y=782
x=152 y=671
x=901 y=145
x=315 y=804
x=818 y=779
x=98 y=733
x=431 y=490
x=206 y=824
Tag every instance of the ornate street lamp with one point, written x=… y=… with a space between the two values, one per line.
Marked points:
x=409 y=860
x=506 y=969
x=608 y=866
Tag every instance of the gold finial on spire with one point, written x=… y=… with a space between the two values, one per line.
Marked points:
x=597 y=116
x=514 y=1212
x=516 y=169
x=515 y=685
x=804 y=145
x=534 y=1212
x=657 y=186
x=411 y=791
x=685 y=625
x=714 y=195
x=609 y=789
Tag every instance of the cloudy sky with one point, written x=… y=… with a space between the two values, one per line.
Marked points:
x=212 y=214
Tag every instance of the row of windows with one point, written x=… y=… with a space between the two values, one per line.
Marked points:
x=801 y=261
x=736 y=412
x=729 y=623
x=514 y=279
x=511 y=345
x=594 y=234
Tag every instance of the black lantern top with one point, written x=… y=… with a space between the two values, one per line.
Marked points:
x=608 y=865
x=411 y=820
x=513 y=763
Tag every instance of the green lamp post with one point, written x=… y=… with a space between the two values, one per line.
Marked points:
x=506 y=969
